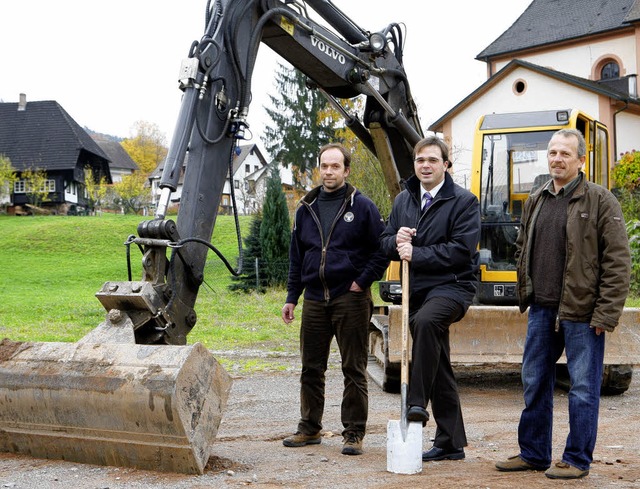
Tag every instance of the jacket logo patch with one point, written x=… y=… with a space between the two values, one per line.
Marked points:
x=348 y=217
x=584 y=215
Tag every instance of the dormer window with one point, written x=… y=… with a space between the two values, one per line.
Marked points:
x=609 y=71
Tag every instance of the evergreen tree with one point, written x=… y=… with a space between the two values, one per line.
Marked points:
x=275 y=231
x=250 y=280
x=298 y=129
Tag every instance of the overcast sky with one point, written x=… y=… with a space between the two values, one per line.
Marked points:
x=112 y=63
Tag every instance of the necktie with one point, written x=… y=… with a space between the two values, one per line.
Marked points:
x=426 y=200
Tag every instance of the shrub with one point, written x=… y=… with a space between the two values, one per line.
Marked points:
x=633 y=231
x=626 y=177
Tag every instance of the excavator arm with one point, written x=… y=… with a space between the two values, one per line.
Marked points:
x=338 y=57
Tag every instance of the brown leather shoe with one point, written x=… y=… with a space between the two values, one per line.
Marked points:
x=300 y=440
x=515 y=463
x=352 y=444
x=563 y=470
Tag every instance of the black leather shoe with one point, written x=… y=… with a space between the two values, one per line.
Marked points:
x=443 y=454
x=418 y=413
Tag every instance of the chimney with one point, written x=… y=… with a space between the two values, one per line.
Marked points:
x=633 y=86
x=22 y=104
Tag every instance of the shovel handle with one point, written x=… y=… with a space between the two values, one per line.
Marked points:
x=404 y=363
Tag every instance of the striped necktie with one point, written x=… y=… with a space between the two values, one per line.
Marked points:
x=426 y=200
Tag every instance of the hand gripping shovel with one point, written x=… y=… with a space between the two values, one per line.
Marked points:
x=404 y=439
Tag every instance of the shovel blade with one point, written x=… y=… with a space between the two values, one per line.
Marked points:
x=404 y=454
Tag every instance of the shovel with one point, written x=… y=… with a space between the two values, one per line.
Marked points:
x=404 y=439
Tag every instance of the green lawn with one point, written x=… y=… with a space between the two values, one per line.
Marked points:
x=52 y=266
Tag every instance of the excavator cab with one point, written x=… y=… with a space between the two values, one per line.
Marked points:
x=509 y=163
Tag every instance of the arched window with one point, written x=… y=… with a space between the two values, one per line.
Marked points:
x=610 y=70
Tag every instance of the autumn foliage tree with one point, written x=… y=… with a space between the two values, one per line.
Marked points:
x=626 y=178
x=7 y=178
x=131 y=193
x=626 y=172
x=35 y=186
x=147 y=147
x=96 y=188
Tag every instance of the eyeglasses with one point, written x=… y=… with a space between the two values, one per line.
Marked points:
x=422 y=160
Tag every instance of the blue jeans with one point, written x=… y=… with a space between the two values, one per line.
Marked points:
x=585 y=356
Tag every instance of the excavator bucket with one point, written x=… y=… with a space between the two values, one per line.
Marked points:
x=106 y=400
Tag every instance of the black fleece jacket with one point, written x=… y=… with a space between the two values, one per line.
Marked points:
x=325 y=266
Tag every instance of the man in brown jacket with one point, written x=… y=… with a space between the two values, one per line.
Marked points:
x=574 y=268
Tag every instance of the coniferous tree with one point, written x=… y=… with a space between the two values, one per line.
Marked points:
x=275 y=231
x=298 y=128
x=250 y=280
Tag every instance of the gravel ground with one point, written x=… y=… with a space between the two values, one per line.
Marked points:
x=263 y=409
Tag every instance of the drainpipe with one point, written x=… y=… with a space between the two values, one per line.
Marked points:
x=633 y=93
x=633 y=86
x=615 y=131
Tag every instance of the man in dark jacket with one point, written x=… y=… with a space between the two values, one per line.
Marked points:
x=435 y=225
x=574 y=265
x=334 y=257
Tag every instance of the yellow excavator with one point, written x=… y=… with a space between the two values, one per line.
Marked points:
x=508 y=162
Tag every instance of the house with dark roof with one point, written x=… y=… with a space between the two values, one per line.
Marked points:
x=43 y=136
x=120 y=163
x=247 y=165
x=559 y=54
x=258 y=182
x=247 y=162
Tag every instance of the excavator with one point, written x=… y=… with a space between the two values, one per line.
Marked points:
x=508 y=163
x=132 y=392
